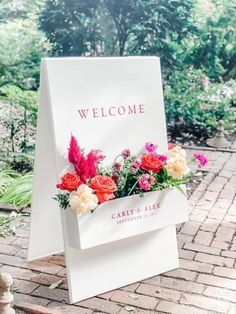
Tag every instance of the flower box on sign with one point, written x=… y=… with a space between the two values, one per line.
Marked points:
x=125 y=217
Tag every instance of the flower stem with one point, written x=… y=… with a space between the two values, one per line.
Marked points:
x=131 y=190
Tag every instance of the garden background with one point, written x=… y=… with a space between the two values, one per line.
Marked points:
x=195 y=40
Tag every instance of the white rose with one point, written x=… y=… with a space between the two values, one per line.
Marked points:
x=83 y=199
x=177 y=167
x=177 y=151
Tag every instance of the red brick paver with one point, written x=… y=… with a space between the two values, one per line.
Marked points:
x=204 y=283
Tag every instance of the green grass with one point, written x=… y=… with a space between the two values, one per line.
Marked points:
x=7 y=177
x=15 y=189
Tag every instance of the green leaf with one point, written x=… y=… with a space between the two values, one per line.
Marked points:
x=62 y=199
x=178 y=187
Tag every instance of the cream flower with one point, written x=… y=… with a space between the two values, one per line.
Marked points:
x=177 y=151
x=177 y=167
x=83 y=199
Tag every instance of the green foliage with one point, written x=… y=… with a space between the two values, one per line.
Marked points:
x=15 y=188
x=7 y=178
x=6 y=223
x=194 y=39
x=18 y=120
x=27 y=99
x=117 y=27
x=15 y=9
x=180 y=32
x=159 y=28
x=22 y=162
x=71 y=26
x=213 y=47
x=219 y=101
x=62 y=199
x=18 y=191
x=21 y=49
x=192 y=106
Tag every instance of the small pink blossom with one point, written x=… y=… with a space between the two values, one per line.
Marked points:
x=150 y=147
x=208 y=7
x=205 y=82
x=151 y=180
x=97 y=155
x=136 y=164
x=126 y=153
x=202 y=159
x=146 y=181
x=117 y=166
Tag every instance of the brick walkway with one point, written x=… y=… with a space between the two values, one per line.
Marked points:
x=205 y=283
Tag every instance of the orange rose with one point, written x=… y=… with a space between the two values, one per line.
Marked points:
x=150 y=162
x=69 y=182
x=104 y=187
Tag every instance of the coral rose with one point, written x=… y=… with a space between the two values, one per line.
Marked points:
x=104 y=187
x=177 y=167
x=69 y=182
x=151 y=162
x=83 y=199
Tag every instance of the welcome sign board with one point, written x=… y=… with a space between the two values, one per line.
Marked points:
x=108 y=104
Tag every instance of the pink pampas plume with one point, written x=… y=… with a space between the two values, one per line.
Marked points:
x=74 y=154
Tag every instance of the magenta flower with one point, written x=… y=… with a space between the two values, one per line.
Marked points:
x=146 y=181
x=202 y=159
x=126 y=153
x=150 y=147
x=162 y=158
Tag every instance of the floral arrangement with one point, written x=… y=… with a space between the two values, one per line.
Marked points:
x=91 y=184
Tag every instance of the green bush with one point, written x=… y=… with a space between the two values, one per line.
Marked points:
x=21 y=49
x=18 y=118
x=193 y=104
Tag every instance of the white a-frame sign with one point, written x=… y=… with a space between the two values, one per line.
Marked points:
x=108 y=104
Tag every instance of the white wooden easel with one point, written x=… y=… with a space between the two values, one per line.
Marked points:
x=68 y=84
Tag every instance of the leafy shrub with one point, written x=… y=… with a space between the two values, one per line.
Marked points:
x=27 y=99
x=18 y=119
x=21 y=49
x=218 y=103
x=193 y=104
